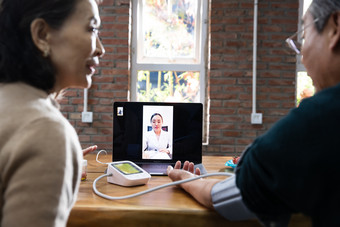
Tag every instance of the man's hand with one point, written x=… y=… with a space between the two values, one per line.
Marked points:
x=188 y=171
x=199 y=189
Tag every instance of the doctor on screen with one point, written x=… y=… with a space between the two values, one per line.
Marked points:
x=157 y=143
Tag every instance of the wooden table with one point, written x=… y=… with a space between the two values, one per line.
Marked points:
x=170 y=206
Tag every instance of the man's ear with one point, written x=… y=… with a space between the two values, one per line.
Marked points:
x=40 y=35
x=334 y=34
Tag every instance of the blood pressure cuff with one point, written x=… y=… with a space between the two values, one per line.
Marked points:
x=227 y=201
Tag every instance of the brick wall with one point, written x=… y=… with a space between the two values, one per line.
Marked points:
x=229 y=79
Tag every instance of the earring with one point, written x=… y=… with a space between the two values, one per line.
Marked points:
x=46 y=53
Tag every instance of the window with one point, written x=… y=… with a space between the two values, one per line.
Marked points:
x=304 y=83
x=169 y=51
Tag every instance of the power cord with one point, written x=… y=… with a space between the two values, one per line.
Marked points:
x=152 y=189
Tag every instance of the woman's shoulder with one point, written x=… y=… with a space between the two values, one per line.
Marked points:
x=26 y=109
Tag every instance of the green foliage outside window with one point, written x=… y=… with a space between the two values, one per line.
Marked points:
x=168 y=86
x=304 y=88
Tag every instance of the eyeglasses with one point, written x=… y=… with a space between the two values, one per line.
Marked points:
x=293 y=41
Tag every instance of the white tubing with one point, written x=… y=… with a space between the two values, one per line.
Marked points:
x=95 y=190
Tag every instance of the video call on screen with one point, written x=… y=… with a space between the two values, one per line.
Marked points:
x=157 y=131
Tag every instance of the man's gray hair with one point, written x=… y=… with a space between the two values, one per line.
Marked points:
x=322 y=10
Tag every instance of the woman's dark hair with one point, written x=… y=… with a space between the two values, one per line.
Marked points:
x=155 y=114
x=20 y=59
x=322 y=10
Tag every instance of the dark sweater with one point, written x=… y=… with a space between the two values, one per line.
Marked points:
x=294 y=167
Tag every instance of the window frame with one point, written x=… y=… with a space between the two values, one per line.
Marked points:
x=200 y=67
x=299 y=66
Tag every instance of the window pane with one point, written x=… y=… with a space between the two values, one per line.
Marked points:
x=169 y=28
x=168 y=86
x=305 y=87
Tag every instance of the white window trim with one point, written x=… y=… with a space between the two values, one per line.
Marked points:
x=299 y=65
x=201 y=68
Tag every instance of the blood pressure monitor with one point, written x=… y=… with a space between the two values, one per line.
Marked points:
x=127 y=173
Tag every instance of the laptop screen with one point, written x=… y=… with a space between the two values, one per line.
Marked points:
x=149 y=132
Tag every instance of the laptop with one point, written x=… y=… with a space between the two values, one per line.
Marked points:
x=155 y=135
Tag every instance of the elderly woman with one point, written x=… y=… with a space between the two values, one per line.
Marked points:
x=45 y=47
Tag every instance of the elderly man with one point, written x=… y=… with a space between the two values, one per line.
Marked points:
x=293 y=167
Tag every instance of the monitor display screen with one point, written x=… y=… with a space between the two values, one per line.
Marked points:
x=145 y=132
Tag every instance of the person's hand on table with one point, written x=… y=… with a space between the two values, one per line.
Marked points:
x=89 y=149
x=199 y=189
x=177 y=174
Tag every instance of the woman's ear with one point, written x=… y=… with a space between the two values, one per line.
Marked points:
x=334 y=34
x=40 y=35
